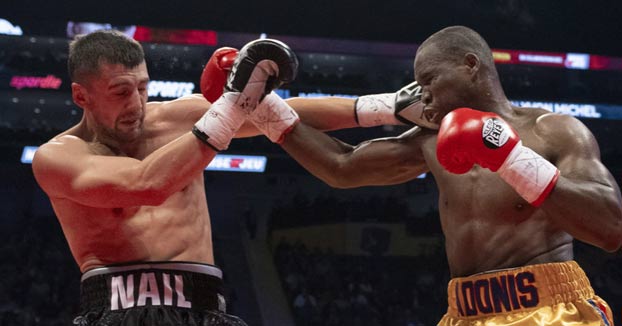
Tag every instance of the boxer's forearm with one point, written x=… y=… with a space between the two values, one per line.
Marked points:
x=383 y=161
x=325 y=113
x=173 y=166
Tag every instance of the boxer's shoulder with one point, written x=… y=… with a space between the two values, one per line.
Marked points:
x=50 y=159
x=64 y=143
x=554 y=128
x=544 y=124
x=540 y=118
x=64 y=149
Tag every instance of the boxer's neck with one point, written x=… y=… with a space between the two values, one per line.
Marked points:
x=91 y=132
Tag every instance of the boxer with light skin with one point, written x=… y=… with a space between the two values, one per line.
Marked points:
x=516 y=186
x=126 y=182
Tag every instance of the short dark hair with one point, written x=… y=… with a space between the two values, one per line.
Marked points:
x=456 y=41
x=88 y=51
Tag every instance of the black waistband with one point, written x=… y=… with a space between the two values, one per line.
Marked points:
x=172 y=284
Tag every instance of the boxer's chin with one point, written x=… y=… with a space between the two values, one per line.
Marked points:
x=129 y=130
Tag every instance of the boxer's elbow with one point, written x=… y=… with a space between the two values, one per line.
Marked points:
x=341 y=176
x=613 y=241
x=340 y=182
x=613 y=244
x=610 y=238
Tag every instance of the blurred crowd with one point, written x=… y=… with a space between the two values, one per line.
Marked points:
x=40 y=282
x=328 y=289
x=302 y=210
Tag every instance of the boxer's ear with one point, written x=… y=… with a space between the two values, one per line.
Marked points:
x=471 y=60
x=79 y=94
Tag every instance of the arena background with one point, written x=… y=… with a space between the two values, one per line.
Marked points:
x=294 y=251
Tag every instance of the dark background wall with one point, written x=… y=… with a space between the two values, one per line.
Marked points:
x=573 y=25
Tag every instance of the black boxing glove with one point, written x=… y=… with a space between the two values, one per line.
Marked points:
x=265 y=64
x=401 y=107
x=261 y=66
x=273 y=117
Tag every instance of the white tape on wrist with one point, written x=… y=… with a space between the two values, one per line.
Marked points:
x=376 y=110
x=274 y=117
x=220 y=123
x=532 y=176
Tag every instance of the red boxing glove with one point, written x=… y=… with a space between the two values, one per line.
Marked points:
x=215 y=73
x=467 y=137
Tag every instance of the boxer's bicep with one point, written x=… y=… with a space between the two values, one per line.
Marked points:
x=71 y=171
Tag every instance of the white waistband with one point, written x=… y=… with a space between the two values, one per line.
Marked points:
x=177 y=266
